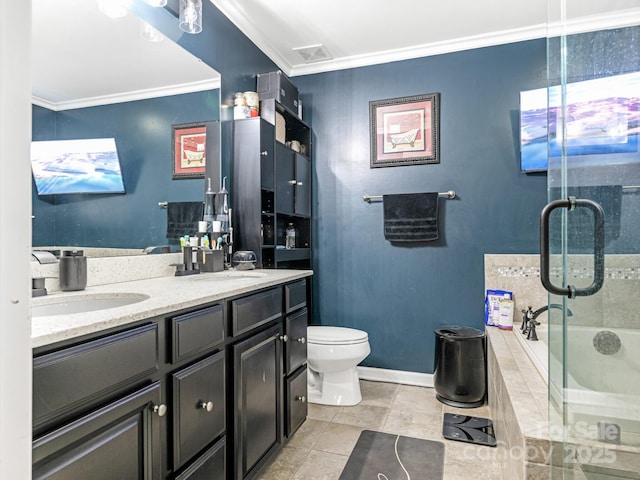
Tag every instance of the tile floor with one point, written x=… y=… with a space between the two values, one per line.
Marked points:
x=320 y=448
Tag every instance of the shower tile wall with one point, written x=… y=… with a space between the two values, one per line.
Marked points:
x=520 y=274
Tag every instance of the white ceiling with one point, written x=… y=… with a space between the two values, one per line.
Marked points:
x=365 y=32
x=81 y=57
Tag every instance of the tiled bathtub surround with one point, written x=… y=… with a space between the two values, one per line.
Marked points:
x=518 y=394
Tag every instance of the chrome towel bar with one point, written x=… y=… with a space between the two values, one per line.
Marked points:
x=368 y=198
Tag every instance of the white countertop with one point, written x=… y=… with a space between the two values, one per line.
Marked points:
x=166 y=294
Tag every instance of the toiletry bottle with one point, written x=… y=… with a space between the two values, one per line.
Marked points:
x=73 y=270
x=290 y=237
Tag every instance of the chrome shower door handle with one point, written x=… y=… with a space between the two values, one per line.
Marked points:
x=572 y=203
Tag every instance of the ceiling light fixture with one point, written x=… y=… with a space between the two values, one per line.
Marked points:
x=156 y=3
x=112 y=8
x=190 y=16
x=149 y=33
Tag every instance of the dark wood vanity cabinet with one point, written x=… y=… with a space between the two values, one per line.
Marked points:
x=209 y=393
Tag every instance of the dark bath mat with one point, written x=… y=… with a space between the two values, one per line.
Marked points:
x=384 y=456
x=464 y=428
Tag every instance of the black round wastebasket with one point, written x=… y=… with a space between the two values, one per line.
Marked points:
x=460 y=374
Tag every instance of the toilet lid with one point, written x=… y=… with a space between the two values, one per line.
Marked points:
x=322 y=335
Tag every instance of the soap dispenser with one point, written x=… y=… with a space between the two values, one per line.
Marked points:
x=73 y=270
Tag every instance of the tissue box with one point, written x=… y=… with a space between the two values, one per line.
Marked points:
x=211 y=260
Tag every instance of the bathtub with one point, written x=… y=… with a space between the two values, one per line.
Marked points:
x=600 y=387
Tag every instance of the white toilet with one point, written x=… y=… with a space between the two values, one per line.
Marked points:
x=332 y=356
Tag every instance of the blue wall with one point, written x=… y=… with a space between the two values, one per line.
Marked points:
x=400 y=294
x=142 y=130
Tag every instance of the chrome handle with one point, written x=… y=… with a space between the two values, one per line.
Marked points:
x=299 y=183
x=302 y=340
x=572 y=203
x=264 y=153
x=208 y=406
x=301 y=398
x=284 y=338
x=292 y=182
x=160 y=410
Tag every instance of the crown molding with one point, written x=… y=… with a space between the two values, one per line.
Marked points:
x=241 y=20
x=167 y=91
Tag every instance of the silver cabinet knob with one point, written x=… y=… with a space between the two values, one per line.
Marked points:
x=284 y=338
x=292 y=182
x=160 y=410
x=264 y=153
x=208 y=406
x=301 y=398
x=299 y=183
x=302 y=340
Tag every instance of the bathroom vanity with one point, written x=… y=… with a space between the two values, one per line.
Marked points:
x=206 y=378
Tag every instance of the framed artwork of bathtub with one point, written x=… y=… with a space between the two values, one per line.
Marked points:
x=405 y=130
x=189 y=150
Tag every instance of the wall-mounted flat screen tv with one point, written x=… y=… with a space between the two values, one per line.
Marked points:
x=76 y=166
x=602 y=125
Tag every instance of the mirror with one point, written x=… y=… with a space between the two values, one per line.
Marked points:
x=97 y=77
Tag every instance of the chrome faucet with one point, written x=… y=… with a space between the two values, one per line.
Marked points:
x=529 y=322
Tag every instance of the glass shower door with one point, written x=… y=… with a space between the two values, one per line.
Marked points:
x=590 y=242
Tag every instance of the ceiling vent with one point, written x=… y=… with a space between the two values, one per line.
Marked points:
x=313 y=53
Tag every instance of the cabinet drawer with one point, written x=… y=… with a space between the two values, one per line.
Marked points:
x=296 y=345
x=84 y=374
x=295 y=295
x=196 y=332
x=211 y=465
x=255 y=310
x=198 y=407
x=120 y=440
x=296 y=400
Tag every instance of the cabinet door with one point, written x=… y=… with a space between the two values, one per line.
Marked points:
x=120 y=440
x=296 y=401
x=302 y=192
x=285 y=179
x=209 y=466
x=198 y=407
x=267 y=135
x=296 y=346
x=258 y=399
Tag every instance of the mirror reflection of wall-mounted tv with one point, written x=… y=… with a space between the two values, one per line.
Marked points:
x=602 y=125
x=76 y=166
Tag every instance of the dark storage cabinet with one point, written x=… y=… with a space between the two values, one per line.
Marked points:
x=272 y=188
x=460 y=366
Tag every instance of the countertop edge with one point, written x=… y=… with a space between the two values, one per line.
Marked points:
x=166 y=294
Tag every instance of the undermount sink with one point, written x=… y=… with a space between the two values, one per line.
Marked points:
x=84 y=303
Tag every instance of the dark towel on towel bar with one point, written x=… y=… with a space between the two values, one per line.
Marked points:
x=183 y=218
x=411 y=217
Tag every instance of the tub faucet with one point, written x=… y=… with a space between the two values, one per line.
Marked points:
x=544 y=308
x=529 y=322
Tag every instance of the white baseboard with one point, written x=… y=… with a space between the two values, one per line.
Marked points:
x=396 y=376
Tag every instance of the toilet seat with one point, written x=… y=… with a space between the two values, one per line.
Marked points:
x=321 y=335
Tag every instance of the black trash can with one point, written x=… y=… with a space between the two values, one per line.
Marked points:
x=460 y=375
